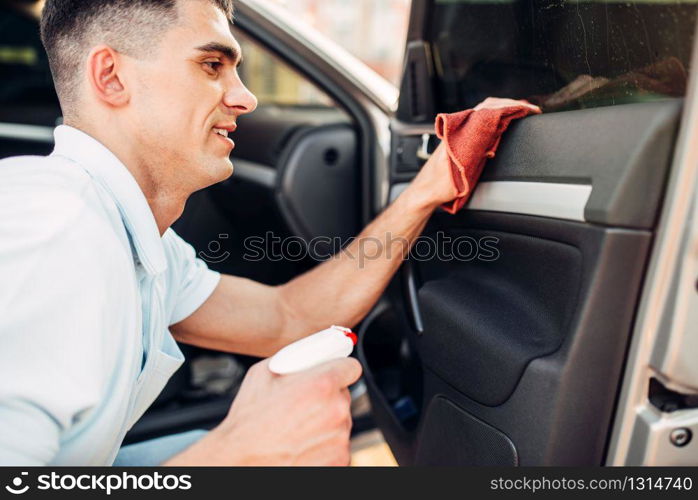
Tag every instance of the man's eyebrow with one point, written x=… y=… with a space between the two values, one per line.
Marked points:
x=228 y=51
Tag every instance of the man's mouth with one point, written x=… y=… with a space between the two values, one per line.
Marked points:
x=223 y=134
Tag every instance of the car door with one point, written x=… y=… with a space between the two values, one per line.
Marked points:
x=504 y=338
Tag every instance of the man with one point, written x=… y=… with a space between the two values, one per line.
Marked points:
x=96 y=287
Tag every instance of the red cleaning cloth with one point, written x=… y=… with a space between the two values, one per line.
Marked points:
x=471 y=138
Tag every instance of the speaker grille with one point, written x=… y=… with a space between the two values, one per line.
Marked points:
x=452 y=436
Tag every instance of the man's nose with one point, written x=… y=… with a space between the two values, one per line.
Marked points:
x=240 y=99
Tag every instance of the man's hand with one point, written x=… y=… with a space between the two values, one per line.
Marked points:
x=433 y=185
x=298 y=419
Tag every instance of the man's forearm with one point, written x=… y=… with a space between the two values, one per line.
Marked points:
x=250 y=318
x=210 y=450
x=343 y=289
x=339 y=291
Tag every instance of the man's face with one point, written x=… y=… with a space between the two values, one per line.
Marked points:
x=186 y=97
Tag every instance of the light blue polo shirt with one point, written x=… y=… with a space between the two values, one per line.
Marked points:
x=88 y=289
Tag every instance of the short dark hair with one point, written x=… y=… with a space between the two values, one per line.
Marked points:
x=70 y=27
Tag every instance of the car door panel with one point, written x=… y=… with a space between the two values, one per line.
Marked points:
x=476 y=348
x=478 y=315
x=625 y=156
x=513 y=355
x=622 y=151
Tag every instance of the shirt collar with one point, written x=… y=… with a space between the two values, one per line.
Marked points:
x=104 y=167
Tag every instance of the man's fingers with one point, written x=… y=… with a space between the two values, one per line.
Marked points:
x=501 y=102
x=346 y=395
x=260 y=366
x=531 y=105
x=260 y=370
x=342 y=372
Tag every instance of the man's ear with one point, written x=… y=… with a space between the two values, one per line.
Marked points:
x=105 y=77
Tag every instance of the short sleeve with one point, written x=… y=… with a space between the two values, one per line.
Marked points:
x=190 y=281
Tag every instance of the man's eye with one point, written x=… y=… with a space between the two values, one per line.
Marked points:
x=212 y=66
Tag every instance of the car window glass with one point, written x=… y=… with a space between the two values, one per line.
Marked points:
x=272 y=81
x=560 y=54
x=27 y=94
x=360 y=27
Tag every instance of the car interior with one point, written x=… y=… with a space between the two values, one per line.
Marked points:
x=511 y=360
x=517 y=360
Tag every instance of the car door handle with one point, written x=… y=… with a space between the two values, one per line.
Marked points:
x=409 y=275
x=423 y=151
